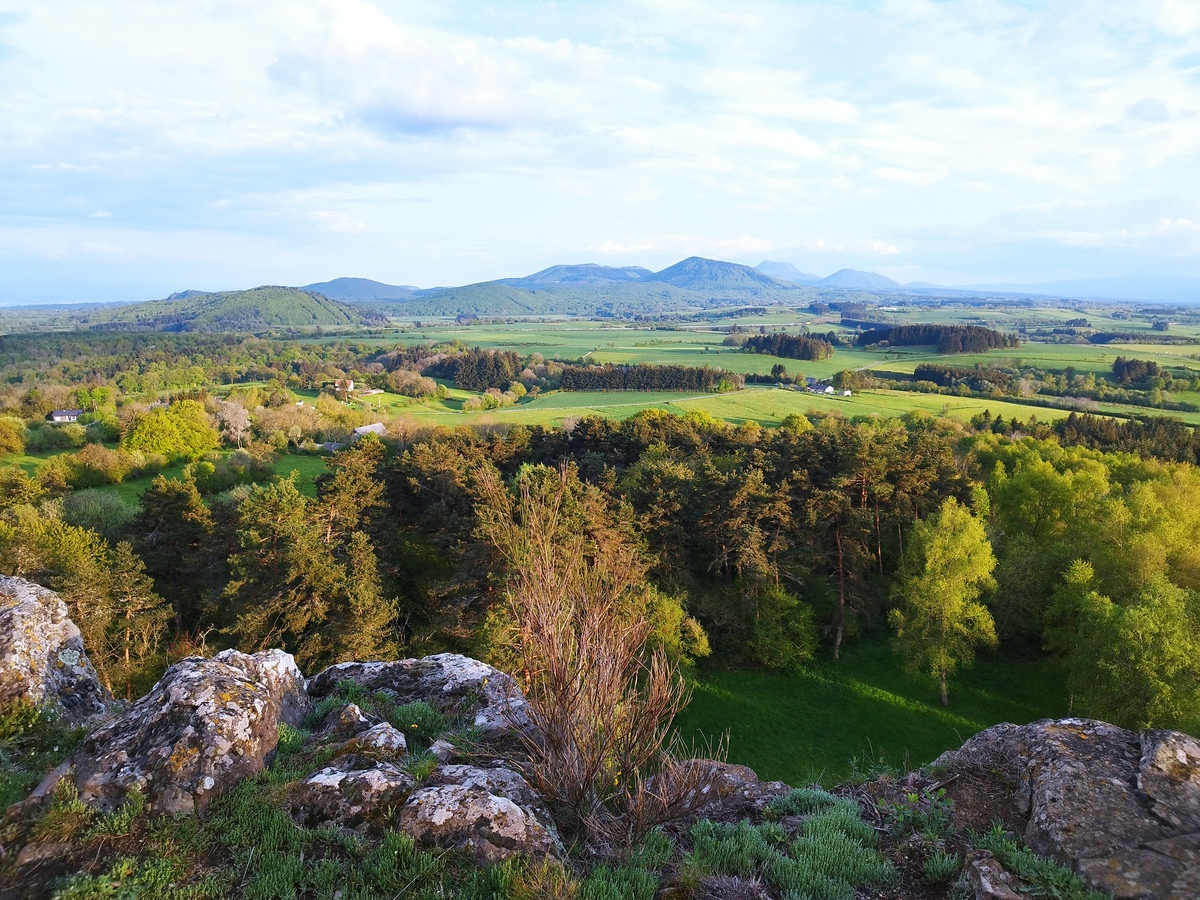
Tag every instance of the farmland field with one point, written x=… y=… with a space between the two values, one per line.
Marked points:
x=700 y=344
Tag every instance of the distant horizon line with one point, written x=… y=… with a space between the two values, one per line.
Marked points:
x=1049 y=289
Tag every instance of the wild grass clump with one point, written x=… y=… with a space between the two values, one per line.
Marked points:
x=421 y=723
x=33 y=740
x=601 y=699
x=833 y=853
x=1044 y=877
x=941 y=866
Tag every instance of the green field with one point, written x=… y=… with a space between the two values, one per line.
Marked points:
x=767 y=406
x=700 y=344
x=129 y=492
x=306 y=468
x=806 y=727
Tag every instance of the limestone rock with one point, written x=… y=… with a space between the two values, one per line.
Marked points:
x=205 y=726
x=347 y=721
x=726 y=791
x=345 y=795
x=492 y=813
x=1169 y=774
x=1121 y=809
x=447 y=681
x=42 y=659
x=988 y=880
x=382 y=739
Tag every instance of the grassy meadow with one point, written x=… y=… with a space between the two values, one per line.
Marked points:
x=817 y=725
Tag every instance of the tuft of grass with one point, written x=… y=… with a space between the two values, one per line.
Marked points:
x=33 y=741
x=420 y=766
x=941 y=866
x=1044 y=877
x=833 y=854
x=119 y=822
x=420 y=722
x=67 y=818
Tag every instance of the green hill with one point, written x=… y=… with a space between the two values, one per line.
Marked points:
x=259 y=309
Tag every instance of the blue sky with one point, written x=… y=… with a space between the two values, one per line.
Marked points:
x=152 y=146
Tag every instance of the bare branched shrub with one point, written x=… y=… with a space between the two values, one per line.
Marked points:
x=601 y=704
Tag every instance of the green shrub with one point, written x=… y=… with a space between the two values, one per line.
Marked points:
x=67 y=818
x=926 y=812
x=941 y=866
x=119 y=822
x=420 y=722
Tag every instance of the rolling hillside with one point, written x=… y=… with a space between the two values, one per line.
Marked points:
x=361 y=290
x=259 y=309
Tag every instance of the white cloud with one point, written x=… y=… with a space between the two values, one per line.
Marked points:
x=443 y=143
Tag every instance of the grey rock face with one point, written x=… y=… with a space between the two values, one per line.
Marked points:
x=345 y=795
x=724 y=790
x=491 y=813
x=205 y=726
x=42 y=659
x=1121 y=809
x=447 y=681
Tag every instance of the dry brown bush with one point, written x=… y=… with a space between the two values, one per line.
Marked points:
x=601 y=704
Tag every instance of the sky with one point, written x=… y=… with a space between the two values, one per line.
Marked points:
x=149 y=146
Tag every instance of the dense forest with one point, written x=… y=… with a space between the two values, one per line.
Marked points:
x=791 y=346
x=647 y=378
x=945 y=338
x=761 y=546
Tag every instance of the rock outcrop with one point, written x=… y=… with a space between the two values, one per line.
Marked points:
x=42 y=660
x=1122 y=809
x=721 y=790
x=205 y=726
x=452 y=683
x=491 y=813
x=344 y=794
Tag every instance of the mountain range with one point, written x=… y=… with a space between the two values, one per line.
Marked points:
x=585 y=289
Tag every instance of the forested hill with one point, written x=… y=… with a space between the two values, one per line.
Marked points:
x=259 y=309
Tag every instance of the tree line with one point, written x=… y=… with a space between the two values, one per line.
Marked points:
x=643 y=377
x=792 y=346
x=760 y=547
x=946 y=338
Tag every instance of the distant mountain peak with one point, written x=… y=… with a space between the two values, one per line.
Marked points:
x=582 y=273
x=855 y=280
x=698 y=273
x=783 y=271
x=361 y=290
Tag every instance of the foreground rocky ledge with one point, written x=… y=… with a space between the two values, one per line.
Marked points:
x=1120 y=808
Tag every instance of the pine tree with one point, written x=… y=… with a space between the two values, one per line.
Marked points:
x=137 y=624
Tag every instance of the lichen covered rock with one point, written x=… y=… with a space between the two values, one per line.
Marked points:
x=492 y=813
x=344 y=794
x=1121 y=809
x=205 y=726
x=42 y=658
x=447 y=681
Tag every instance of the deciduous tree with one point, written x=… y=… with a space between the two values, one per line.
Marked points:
x=947 y=565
